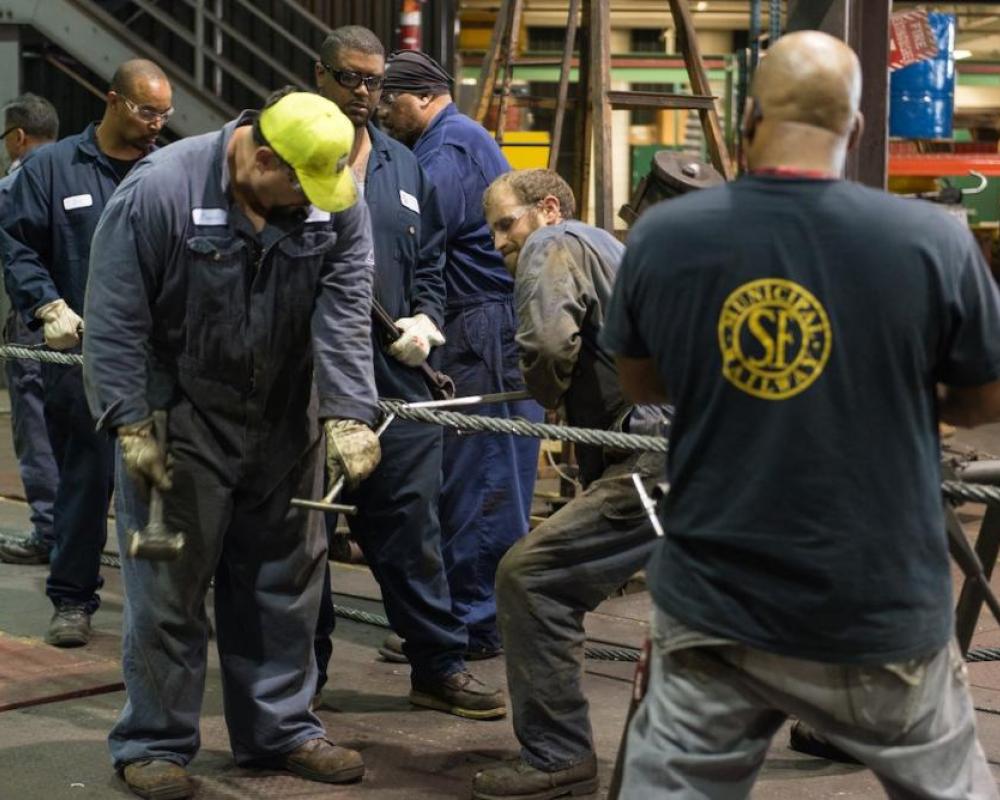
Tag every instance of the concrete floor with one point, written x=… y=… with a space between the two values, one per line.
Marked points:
x=56 y=750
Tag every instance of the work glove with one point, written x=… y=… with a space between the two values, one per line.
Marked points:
x=420 y=334
x=352 y=450
x=62 y=325
x=143 y=458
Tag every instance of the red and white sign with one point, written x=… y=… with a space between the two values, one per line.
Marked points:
x=912 y=39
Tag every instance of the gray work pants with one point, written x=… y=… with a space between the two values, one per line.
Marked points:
x=545 y=584
x=705 y=724
x=267 y=559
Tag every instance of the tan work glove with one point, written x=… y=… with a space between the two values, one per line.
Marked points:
x=352 y=450
x=420 y=334
x=143 y=458
x=62 y=325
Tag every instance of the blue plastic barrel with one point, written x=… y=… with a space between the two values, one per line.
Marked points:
x=922 y=95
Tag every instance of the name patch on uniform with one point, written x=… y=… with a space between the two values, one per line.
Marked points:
x=409 y=201
x=209 y=216
x=775 y=338
x=317 y=215
x=78 y=201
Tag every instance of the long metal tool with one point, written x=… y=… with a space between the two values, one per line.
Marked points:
x=442 y=387
x=326 y=502
x=473 y=400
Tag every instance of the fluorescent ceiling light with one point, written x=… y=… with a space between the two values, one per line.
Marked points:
x=701 y=5
x=960 y=54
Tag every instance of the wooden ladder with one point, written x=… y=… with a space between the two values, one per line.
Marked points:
x=594 y=126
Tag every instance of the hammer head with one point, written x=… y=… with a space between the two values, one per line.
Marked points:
x=155 y=542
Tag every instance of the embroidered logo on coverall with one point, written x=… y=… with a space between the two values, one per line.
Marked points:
x=775 y=338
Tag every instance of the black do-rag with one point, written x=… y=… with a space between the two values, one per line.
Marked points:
x=415 y=72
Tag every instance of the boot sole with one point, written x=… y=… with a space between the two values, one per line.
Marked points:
x=430 y=701
x=576 y=789
x=163 y=792
x=26 y=561
x=392 y=656
x=66 y=640
x=345 y=775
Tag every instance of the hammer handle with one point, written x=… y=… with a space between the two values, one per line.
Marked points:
x=160 y=434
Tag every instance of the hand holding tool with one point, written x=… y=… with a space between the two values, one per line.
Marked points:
x=155 y=542
x=420 y=334
x=442 y=387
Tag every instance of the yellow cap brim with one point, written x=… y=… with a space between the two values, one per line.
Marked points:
x=335 y=192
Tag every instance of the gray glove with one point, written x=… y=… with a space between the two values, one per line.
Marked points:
x=352 y=450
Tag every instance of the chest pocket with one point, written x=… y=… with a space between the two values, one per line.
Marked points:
x=76 y=229
x=217 y=277
x=407 y=237
x=298 y=264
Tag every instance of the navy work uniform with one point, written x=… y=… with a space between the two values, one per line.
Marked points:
x=488 y=478
x=397 y=522
x=192 y=310
x=35 y=460
x=53 y=210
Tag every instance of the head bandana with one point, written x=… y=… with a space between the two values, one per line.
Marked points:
x=415 y=72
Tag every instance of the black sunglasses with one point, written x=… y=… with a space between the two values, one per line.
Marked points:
x=352 y=80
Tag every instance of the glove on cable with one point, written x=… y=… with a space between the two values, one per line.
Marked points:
x=143 y=458
x=420 y=334
x=62 y=325
x=352 y=450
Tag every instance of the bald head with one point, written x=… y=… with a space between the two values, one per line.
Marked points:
x=809 y=78
x=131 y=75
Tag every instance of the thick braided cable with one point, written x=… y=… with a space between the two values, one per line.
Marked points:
x=973 y=492
x=9 y=351
x=519 y=427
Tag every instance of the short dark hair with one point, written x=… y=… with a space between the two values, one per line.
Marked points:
x=130 y=72
x=35 y=115
x=530 y=186
x=258 y=135
x=351 y=37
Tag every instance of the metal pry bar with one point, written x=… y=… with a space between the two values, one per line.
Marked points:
x=648 y=504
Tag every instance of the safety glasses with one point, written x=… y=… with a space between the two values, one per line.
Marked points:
x=146 y=113
x=352 y=80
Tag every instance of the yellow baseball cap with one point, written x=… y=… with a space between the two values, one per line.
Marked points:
x=315 y=138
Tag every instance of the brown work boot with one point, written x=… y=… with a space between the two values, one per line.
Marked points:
x=158 y=780
x=69 y=627
x=518 y=780
x=322 y=760
x=461 y=694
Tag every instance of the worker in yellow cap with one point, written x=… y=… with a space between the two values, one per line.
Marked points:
x=231 y=286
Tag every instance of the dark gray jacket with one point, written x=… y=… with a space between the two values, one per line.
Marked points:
x=565 y=275
x=187 y=304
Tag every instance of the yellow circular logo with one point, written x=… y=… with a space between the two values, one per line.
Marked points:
x=775 y=338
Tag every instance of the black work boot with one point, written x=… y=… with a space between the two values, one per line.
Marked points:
x=322 y=760
x=158 y=780
x=28 y=551
x=805 y=739
x=461 y=694
x=518 y=780
x=70 y=626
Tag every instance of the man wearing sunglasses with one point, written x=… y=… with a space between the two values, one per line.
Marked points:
x=29 y=122
x=489 y=478
x=397 y=523
x=45 y=246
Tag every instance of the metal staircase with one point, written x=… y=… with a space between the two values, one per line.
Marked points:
x=220 y=55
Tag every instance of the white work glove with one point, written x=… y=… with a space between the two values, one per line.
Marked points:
x=62 y=325
x=143 y=458
x=352 y=450
x=420 y=334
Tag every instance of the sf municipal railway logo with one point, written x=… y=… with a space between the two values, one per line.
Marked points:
x=775 y=338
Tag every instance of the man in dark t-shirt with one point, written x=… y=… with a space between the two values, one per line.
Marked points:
x=805 y=567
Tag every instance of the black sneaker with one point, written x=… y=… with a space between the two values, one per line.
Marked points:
x=70 y=626
x=27 y=551
x=461 y=694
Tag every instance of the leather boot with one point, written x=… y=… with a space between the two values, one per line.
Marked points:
x=518 y=780
x=461 y=694
x=322 y=760
x=158 y=780
x=69 y=627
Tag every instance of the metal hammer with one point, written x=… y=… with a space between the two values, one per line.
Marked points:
x=156 y=542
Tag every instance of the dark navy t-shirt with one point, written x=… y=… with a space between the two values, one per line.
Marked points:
x=799 y=327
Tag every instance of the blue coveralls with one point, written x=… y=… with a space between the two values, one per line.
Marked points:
x=35 y=460
x=489 y=479
x=53 y=210
x=191 y=310
x=397 y=521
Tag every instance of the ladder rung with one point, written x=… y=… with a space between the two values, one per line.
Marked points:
x=622 y=99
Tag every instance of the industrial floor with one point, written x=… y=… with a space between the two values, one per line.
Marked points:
x=56 y=706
